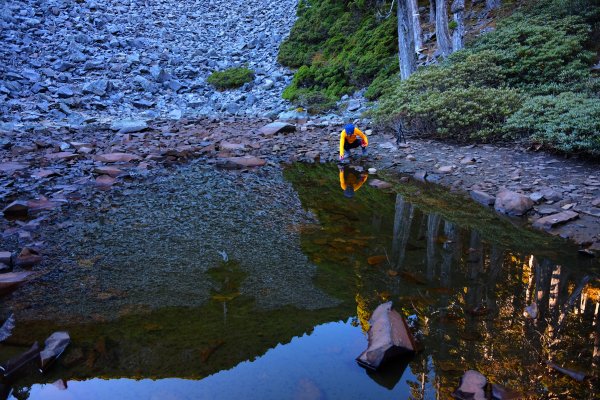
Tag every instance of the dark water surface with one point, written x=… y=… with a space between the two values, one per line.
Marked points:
x=208 y=284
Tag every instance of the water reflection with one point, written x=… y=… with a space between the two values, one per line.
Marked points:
x=467 y=279
x=351 y=179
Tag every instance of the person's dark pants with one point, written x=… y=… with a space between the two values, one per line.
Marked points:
x=353 y=145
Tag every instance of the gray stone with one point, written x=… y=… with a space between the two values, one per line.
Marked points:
x=512 y=203
x=536 y=196
x=482 y=197
x=553 y=220
x=129 y=126
x=98 y=87
x=420 y=176
x=65 y=92
x=353 y=105
x=5 y=257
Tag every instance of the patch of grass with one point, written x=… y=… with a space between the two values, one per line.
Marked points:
x=231 y=78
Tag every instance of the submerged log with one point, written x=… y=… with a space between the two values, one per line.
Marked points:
x=578 y=376
x=389 y=337
x=18 y=363
x=55 y=345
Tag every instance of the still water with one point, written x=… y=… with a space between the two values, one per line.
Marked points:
x=209 y=284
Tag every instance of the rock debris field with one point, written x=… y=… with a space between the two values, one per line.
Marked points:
x=67 y=62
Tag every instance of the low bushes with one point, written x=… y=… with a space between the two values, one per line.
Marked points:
x=231 y=78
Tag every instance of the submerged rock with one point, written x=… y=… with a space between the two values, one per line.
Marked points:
x=389 y=337
x=54 y=347
x=18 y=363
x=472 y=387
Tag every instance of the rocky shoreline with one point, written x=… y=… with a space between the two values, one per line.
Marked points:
x=43 y=174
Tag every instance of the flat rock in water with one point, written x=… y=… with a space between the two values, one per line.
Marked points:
x=27 y=258
x=472 y=387
x=482 y=197
x=17 y=363
x=389 y=337
x=54 y=347
x=512 y=203
x=553 y=220
x=117 y=157
x=379 y=184
x=18 y=207
x=276 y=127
x=11 y=166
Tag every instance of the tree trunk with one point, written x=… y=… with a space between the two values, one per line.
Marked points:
x=458 y=12
x=418 y=32
x=406 y=40
x=491 y=4
x=441 y=28
x=432 y=11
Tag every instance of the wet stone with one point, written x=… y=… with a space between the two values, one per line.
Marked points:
x=553 y=220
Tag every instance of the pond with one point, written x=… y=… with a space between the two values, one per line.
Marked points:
x=211 y=284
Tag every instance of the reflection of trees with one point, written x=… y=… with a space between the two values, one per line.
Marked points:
x=402 y=224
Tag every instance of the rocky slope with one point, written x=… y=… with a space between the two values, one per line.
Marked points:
x=72 y=62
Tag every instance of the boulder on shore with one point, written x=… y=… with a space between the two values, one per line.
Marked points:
x=512 y=203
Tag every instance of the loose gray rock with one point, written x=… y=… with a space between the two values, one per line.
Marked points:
x=512 y=203
x=129 y=126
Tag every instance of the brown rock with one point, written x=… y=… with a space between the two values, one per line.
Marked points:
x=27 y=258
x=553 y=220
x=110 y=171
x=232 y=146
x=42 y=204
x=276 y=127
x=117 y=157
x=12 y=279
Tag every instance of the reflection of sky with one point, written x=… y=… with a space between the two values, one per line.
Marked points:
x=316 y=366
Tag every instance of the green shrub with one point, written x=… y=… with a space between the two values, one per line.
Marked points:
x=338 y=46
x=536 y=50
x=568 y=122
x=231 y=78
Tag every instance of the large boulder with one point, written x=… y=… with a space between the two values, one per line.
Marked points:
x=512 y=203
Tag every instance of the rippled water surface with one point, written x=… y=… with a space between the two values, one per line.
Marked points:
x=211 y=284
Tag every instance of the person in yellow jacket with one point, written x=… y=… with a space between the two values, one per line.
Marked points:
x=351 y=138
x=351 y=180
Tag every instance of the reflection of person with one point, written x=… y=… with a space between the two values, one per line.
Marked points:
x=351 y=138
x=351 y=180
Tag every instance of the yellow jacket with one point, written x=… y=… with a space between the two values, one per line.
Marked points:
x=351 y=138
x=353 y=180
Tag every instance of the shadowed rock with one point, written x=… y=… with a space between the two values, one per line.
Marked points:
x=16 y=208
x=16 y=364
x=12 y=279
x=389 y=337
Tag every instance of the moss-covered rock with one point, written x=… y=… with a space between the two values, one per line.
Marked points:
x=231 y=78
